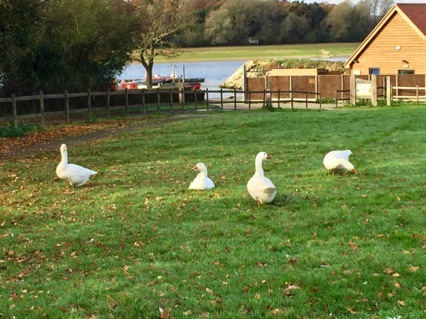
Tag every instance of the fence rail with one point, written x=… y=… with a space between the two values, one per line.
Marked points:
x=142 y=100
x=416 y=97
x=342 y=93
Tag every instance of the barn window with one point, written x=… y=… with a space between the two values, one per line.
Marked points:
x=405 y=71
x=375 y=71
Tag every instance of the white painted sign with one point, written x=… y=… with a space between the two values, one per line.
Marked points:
x=363 y=89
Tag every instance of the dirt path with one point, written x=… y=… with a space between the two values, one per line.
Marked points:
x=36 y=142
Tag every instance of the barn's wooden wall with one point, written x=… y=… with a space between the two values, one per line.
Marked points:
x=396 y=42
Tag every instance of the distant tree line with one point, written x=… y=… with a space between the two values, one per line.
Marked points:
x=53 y=45
x=232 y=22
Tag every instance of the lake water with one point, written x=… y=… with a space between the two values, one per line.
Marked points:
x=214 y=73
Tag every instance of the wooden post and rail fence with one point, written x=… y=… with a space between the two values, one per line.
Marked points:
x=64 y=106
x=144 y=101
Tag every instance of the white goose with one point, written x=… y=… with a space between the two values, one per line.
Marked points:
x=202 y=181
x=337 y=161
x=74 y=174
x=260 y=187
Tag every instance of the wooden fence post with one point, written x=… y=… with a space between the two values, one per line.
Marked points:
x=279 y=97
x=195 y=99
x=306 y=98
x=15 y=111
x=67 y=106
x=245 y=84
x=373 y=89
x=43 y=122
x=126 y=101
x=235 y=98
x=108 y=102
x=221 y=98
x=89 y=104
x=337 y=91
x=207 y=97
x=143 y=101
x=171 y=99
x=158 y=99
x=388 y=91
x=182 y=96
x=352 y=85
x=417 y=93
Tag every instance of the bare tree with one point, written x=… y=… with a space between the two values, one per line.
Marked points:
x=385 y=6
x=159 y=22
x=378 y=8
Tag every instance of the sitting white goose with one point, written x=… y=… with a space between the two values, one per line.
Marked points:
x=260 y=187
x=202 y=181
x=74 y=174
x=338 y=161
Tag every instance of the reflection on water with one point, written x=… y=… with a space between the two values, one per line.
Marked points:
x=214 y=73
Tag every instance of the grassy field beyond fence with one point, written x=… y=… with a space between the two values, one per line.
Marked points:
x=136 y=239
x=264 y=52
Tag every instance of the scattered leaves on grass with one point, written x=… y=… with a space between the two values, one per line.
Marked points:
x=9 y=145
x=401 y=303
x=413 y=268
x=388 y=271
x=351 y=311
x=353 y=245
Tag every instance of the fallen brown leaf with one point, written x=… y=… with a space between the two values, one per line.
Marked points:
x=413 y=269
x=401 y=303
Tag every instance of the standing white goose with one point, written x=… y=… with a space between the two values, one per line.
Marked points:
x=202 y=181
x=74 y=174
x=260 y=187
x=337 y=161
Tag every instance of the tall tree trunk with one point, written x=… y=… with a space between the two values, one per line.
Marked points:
x=148 y=65
x=149 y=75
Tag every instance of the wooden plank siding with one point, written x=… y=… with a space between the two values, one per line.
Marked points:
x=395 y=40
x=382 y=52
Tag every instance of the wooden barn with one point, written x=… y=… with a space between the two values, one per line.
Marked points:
x=396 y=46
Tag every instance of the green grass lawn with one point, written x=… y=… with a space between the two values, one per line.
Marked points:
x=264 y=52
x=136 y=239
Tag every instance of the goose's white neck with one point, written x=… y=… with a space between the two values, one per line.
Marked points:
x=64 y=157
x=258 y=166
x=202 y=174
x=346 y=164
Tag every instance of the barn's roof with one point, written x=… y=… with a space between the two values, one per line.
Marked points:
x=413 y=13
x=416 y=13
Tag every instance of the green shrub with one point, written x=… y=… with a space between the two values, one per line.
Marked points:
x=11 y=131
x=268 y=106
x=326 y=100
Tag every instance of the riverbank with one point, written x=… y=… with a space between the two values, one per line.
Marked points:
x=258 y=68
